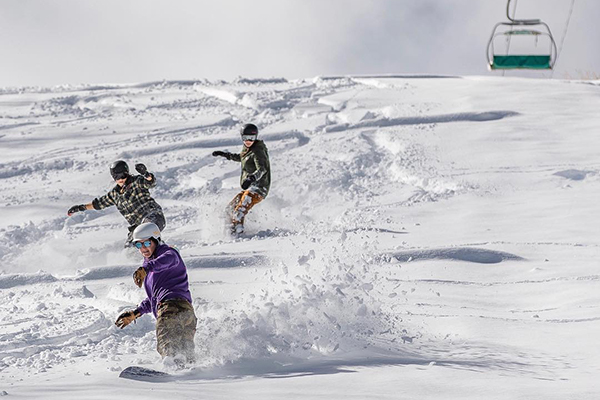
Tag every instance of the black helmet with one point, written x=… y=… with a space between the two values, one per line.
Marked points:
x=119 y=170
x=249 y=132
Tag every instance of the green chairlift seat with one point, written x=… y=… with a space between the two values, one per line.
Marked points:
x=521 y=28
x=519 y=61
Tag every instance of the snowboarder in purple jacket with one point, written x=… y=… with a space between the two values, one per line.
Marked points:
x=164 y=277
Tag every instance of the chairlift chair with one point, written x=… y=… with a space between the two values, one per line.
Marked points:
x=534 y=28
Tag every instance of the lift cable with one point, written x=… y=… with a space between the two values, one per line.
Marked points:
x=514 y=13
x=562 y=41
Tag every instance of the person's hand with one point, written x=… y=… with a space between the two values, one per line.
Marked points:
x=126 y=318
x=248 y=181
x=139 y=275
x=219 y=153
x=142 y=170
x=77 y=208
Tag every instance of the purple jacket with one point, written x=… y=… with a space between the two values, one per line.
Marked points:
x=166 y=279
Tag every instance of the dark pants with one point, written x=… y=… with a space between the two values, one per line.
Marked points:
x=175 y=330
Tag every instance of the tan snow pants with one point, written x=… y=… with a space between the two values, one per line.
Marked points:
x=175 y=329
x=239 y=207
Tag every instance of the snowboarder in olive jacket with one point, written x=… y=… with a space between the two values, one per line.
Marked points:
x=255 y=178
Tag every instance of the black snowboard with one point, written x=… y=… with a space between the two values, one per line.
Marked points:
x=145 y=374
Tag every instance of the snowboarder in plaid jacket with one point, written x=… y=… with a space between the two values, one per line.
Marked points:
x=131 y=196
x=255 y=179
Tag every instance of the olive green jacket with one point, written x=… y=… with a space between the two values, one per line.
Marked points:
x=255 y=161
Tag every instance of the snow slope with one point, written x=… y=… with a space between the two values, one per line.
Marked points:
x=425 y=237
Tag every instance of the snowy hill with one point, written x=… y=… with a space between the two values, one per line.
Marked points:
x=424 y=237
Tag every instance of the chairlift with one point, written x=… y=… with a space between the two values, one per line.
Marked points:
x=521 y=29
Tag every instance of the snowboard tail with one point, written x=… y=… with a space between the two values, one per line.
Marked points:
x=145 y=374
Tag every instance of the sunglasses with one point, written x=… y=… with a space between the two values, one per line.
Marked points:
x=145 y=243
x=122 y=175
x=251 y=138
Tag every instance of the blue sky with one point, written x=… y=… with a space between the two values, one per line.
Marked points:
x=73 y=41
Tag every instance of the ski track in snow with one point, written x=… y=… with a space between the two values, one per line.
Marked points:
x=434 y=119
x=463 y=254
x=348 y=264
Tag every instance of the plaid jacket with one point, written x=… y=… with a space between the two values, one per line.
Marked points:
x=133 y=200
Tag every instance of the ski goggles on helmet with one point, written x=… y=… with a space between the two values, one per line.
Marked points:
x=250 y=138
x=145 y=243
x=120 y=175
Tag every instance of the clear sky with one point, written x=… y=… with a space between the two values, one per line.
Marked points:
x=52 y=42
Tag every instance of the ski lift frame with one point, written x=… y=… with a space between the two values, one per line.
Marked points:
x=518 y=61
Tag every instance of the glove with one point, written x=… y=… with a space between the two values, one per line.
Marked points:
x=127 y=317
x=139 y=275
x=225 y=154
x=141 y=168
x=74 y=209
x=248 y=181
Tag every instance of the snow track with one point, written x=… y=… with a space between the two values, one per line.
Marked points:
x=469 y=254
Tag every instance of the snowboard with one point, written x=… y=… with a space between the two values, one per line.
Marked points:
x=145 y=374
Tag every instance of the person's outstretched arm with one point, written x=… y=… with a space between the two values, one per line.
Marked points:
x=79 y=208
x=227 y=155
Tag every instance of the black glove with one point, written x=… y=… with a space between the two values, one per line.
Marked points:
x=127 y=317
x=74 y=209
x=248 y=181
x=225 y=154
x=143 y=171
